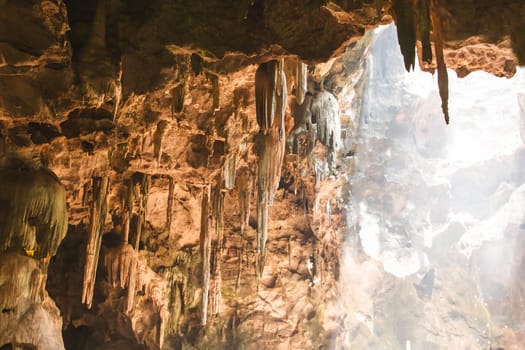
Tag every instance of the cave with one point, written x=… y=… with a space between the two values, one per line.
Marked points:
x=262 y=174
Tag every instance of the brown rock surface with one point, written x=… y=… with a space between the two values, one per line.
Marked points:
x=159 y=98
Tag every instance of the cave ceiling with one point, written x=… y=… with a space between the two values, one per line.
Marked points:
x=199 y=187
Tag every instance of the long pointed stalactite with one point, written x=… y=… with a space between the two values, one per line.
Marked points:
x=205 y=252
x=437 y=24
x=229 y=170
x=217 y=202
x=424 y=23
x=301 y=76
x=141 y=183
x=216 y=296
x=100 y=188
x=244 y=186
x=270 y=100
x=404 y=15
x=218 y=214
x=127 y=210
x=415 y=19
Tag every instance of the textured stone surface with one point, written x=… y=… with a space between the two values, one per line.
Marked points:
x=157 y=96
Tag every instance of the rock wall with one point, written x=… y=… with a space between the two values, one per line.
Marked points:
x=147 y=114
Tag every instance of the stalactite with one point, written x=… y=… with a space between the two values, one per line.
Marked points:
x=405 y=17
x=296 y=72
x=325 y=113
x=127 y=206
x=244 y=185
x=121 y=264
x=177 y=281
x=33 y=214
x=96 y=223
x=301 y=82
x=197 y=63
x=268 y=89
x=118 y=262
x=178 y=94
x=118 y=90
x=218 y=214
x=437 y=24
x=423 y=29
x=98 y=71
x=262 y=232
x=157 y=139
x=271 y=97
x=215 y=89
x=217 y=285
x=205 y=252
x=181 y=293
x=85 y=192
x=141 y=183
x=303 y=136
x=169 y=207
x=229 y=169
x=209 y=136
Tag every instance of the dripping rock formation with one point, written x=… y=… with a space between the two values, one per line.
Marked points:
x=173 y=174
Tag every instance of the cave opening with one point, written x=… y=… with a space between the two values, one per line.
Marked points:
x=436 y=209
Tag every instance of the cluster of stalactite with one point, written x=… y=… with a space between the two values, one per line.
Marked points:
x=33 y=214
x=137 y=199
x=120 y=264
x=297 y=78
x=172 y=290
x=317 y=118
x=325 y=114
x=302 y=138
x=134 y=215
x=270 y=100
x=417 y=20
x=97 y=217
x=181 y=291
x=33 y=223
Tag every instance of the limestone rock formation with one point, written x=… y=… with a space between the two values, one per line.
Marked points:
x=188 y=167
